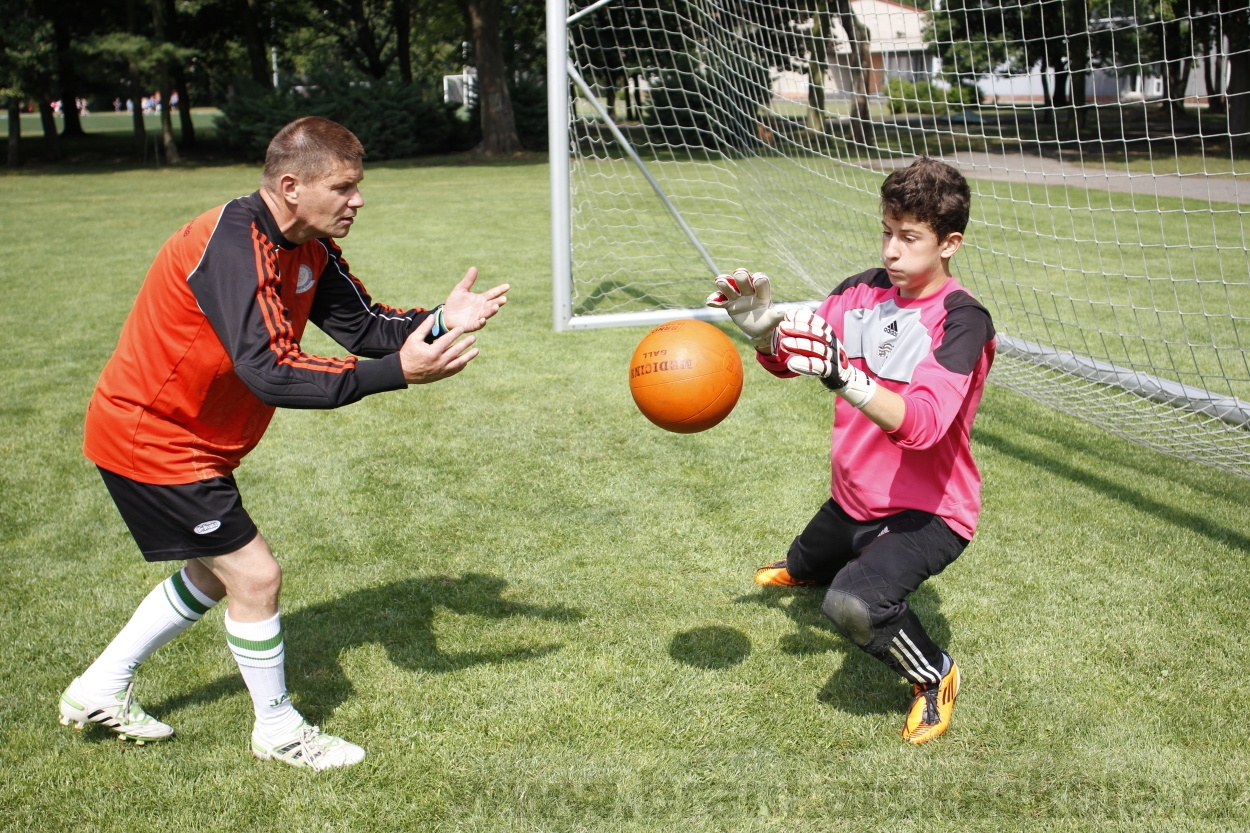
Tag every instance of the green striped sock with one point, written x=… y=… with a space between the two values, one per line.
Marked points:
x=173 y=606
x=259 y=651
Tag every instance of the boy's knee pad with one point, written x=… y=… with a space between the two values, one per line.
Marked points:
x=849 y=614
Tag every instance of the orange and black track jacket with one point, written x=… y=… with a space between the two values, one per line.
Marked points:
x=211 y=347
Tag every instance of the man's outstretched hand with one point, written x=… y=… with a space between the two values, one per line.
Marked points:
x=445 y=356
x=468 y=311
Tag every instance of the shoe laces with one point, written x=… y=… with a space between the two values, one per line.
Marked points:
x=311 y=749
x=129 y=708
x=931 y=716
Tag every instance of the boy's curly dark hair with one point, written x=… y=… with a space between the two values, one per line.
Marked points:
x=930 y=191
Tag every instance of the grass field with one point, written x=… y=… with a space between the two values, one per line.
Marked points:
x=535 y=610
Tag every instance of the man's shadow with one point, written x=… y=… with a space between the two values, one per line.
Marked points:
x=862 y=685
x=399 y=617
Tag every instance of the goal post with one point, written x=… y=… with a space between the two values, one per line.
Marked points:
x=1106 y=146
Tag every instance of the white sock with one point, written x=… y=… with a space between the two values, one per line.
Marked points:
x=259 y=651
x=173 y=606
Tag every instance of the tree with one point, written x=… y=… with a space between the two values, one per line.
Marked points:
x=27 y=61
x=253 y=25
x=1235 y=21
x=494 y=100
x=63 y=17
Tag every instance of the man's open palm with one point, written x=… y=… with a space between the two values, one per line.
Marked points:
x=468 y=310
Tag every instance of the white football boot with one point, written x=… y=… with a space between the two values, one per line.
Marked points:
x=118 y=713
x=309 y=747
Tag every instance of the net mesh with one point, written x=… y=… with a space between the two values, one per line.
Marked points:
x=1109 y=220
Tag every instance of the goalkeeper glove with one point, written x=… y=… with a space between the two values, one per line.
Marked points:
x=814 y=350
x=749 y=301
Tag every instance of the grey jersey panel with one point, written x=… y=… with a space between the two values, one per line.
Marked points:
x=890 y=340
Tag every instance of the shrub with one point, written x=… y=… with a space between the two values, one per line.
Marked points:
x=392 y=120
x=691 y=105
x=927 y=98
x=529 y=106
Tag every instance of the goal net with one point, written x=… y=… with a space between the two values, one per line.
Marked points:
x=1106 y=145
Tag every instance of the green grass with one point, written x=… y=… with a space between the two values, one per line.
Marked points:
x=535 y=610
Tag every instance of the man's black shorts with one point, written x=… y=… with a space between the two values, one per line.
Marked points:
x=174 y=523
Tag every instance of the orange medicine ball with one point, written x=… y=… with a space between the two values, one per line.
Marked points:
x=685 y=376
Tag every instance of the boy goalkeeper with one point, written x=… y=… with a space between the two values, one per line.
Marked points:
x=906 y=349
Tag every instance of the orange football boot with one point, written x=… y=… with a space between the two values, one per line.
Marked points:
x=931 y=711
x=776 y=575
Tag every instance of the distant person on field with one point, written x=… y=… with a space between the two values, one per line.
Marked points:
x=210 y=349
x=907 y=350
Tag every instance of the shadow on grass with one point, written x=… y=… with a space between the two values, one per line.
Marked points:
x=862 y=685
x=400 y=618
x=1194 y=521
x=713 y=647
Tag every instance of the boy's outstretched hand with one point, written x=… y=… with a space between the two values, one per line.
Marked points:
x=749 y=301
x=814 y=350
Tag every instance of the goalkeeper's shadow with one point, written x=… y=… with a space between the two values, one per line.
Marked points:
x=861 y=685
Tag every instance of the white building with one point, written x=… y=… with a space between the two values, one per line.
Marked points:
x=896 y=49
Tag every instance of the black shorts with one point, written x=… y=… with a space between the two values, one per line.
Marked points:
x=903 y=549
x=174 y=523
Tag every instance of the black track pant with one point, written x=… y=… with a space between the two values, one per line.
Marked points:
x=872 y=567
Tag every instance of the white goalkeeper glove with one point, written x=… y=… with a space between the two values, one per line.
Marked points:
x=815 y=351
x=749 y=301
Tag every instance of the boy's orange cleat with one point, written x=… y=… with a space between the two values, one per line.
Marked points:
x=931 y=711
x=776 y=575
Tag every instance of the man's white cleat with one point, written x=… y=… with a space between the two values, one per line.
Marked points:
x=118 y=713
x=309 y=747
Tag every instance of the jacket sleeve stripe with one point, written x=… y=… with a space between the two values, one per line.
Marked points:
x=281 y=340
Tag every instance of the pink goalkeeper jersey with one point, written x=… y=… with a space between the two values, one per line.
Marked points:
x=935 y=352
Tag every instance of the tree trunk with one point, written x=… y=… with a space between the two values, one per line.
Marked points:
x=136 y=117
x=15 y=133
x=1213 y=75
x=859 y=61
x=254 y=28
x=817 y=66
x=366 y=42
x=173 y=32
x=1076 y=27
x=403 y=39
x=1048 y=103
x=494 y=102
x=136 y=84
x=184 y=107
x=1237 y=100
x=167 y=122
x=66 y=73
x=1060 y=99
x=51 y=141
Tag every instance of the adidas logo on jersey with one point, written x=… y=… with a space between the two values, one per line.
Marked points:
x=891 y=329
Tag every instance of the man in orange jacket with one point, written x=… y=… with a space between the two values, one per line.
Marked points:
x=209 y=351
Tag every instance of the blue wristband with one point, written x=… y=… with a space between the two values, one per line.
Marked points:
x=440 y=326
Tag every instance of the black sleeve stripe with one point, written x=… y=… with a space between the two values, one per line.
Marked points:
x=965 y=332
x=873 y=277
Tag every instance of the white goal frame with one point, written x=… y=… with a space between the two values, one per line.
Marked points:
x=1082 y=370
x=560 y=72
